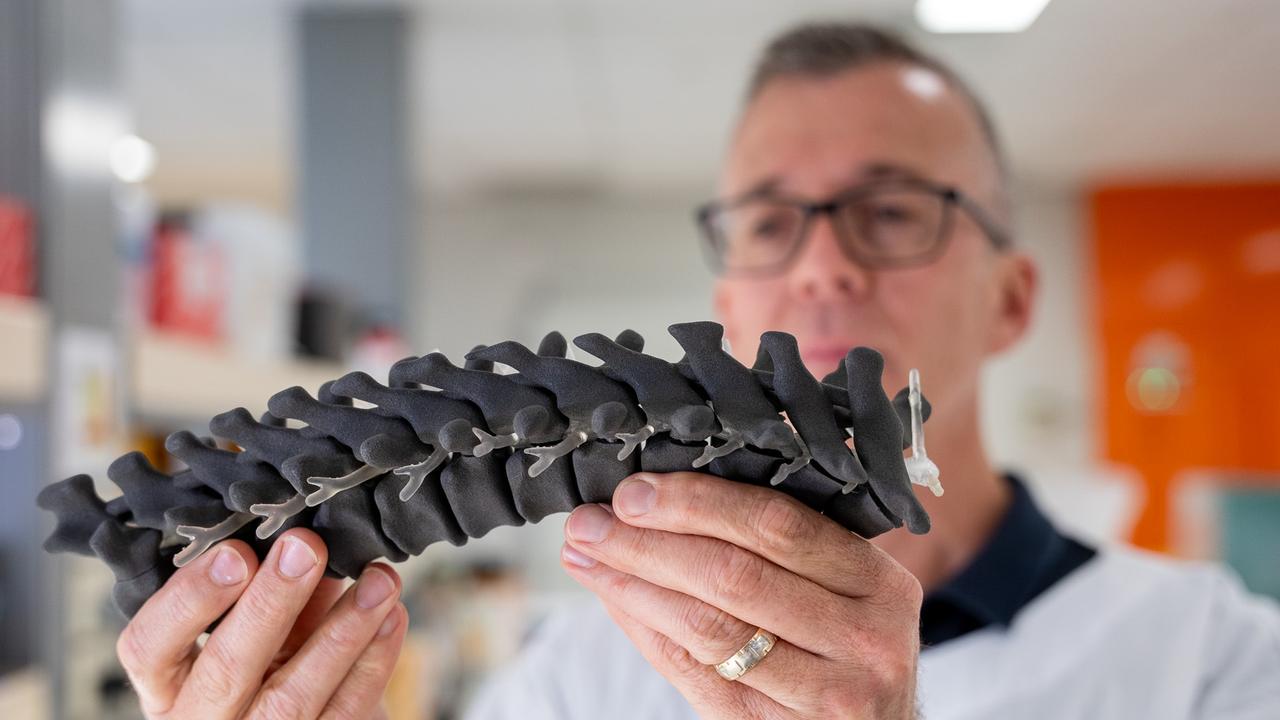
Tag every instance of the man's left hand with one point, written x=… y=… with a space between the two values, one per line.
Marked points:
x=691 y=572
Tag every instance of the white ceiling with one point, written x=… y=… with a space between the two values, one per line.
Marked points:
x=637 y=96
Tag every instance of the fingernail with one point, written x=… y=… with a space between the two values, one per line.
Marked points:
x=635 y=497
x=393 y=619
x=297 y=558
x=576 y=557
x=589 y=523
x=228 y=568
x=373 y=587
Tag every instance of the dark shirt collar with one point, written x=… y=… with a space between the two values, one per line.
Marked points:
x=1024 y=557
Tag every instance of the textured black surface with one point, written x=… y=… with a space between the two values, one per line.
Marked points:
x=477 y=449
x=878 y=441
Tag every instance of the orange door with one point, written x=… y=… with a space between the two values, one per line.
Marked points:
x=1187 y=312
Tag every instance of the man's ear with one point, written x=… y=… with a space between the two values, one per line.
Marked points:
x=1016 y=289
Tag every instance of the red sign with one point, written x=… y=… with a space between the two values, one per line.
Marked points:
x=188 y=283
x=17 y=248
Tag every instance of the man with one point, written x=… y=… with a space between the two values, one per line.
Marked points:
x=864 y=203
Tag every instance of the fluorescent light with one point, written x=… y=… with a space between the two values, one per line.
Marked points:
x=79 y=131
x=132 y=158
x=978 y=16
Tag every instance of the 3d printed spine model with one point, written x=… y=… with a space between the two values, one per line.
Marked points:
x=449 y=453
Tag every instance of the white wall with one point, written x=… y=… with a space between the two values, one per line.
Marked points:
x=1036 y=396
x=517 y=267
x=1038 y=400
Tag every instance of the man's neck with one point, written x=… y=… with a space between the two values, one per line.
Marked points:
x=975 y=500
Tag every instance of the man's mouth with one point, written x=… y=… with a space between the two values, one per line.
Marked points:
x=824 y=355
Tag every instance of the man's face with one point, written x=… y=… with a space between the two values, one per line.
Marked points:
x=816 y=137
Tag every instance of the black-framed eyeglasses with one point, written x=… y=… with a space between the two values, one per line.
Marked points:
x=895 y=223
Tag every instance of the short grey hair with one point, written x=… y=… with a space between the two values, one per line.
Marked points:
x=824 y=49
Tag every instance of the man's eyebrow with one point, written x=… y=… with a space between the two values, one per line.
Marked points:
x=881 y=170
x=877 y=170
x=767 y=186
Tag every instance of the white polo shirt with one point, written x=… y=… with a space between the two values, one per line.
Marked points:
x=1122 y=635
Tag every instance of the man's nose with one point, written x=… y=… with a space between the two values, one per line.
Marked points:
x=823 y=271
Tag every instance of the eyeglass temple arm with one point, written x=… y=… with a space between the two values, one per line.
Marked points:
x=999 y=236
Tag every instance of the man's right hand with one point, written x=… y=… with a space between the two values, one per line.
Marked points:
x=293 y=645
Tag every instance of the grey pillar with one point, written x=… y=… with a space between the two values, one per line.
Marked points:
x=82 y=99
x=353 y=184
x=59 y=112
x=22 y=469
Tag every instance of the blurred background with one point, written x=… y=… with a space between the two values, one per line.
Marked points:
x=205 y=201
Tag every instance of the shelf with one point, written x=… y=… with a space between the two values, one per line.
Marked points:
x=25 y=693
x=24 y=340
x=176 y=377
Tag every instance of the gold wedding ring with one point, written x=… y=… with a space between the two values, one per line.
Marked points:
x=749 y=656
